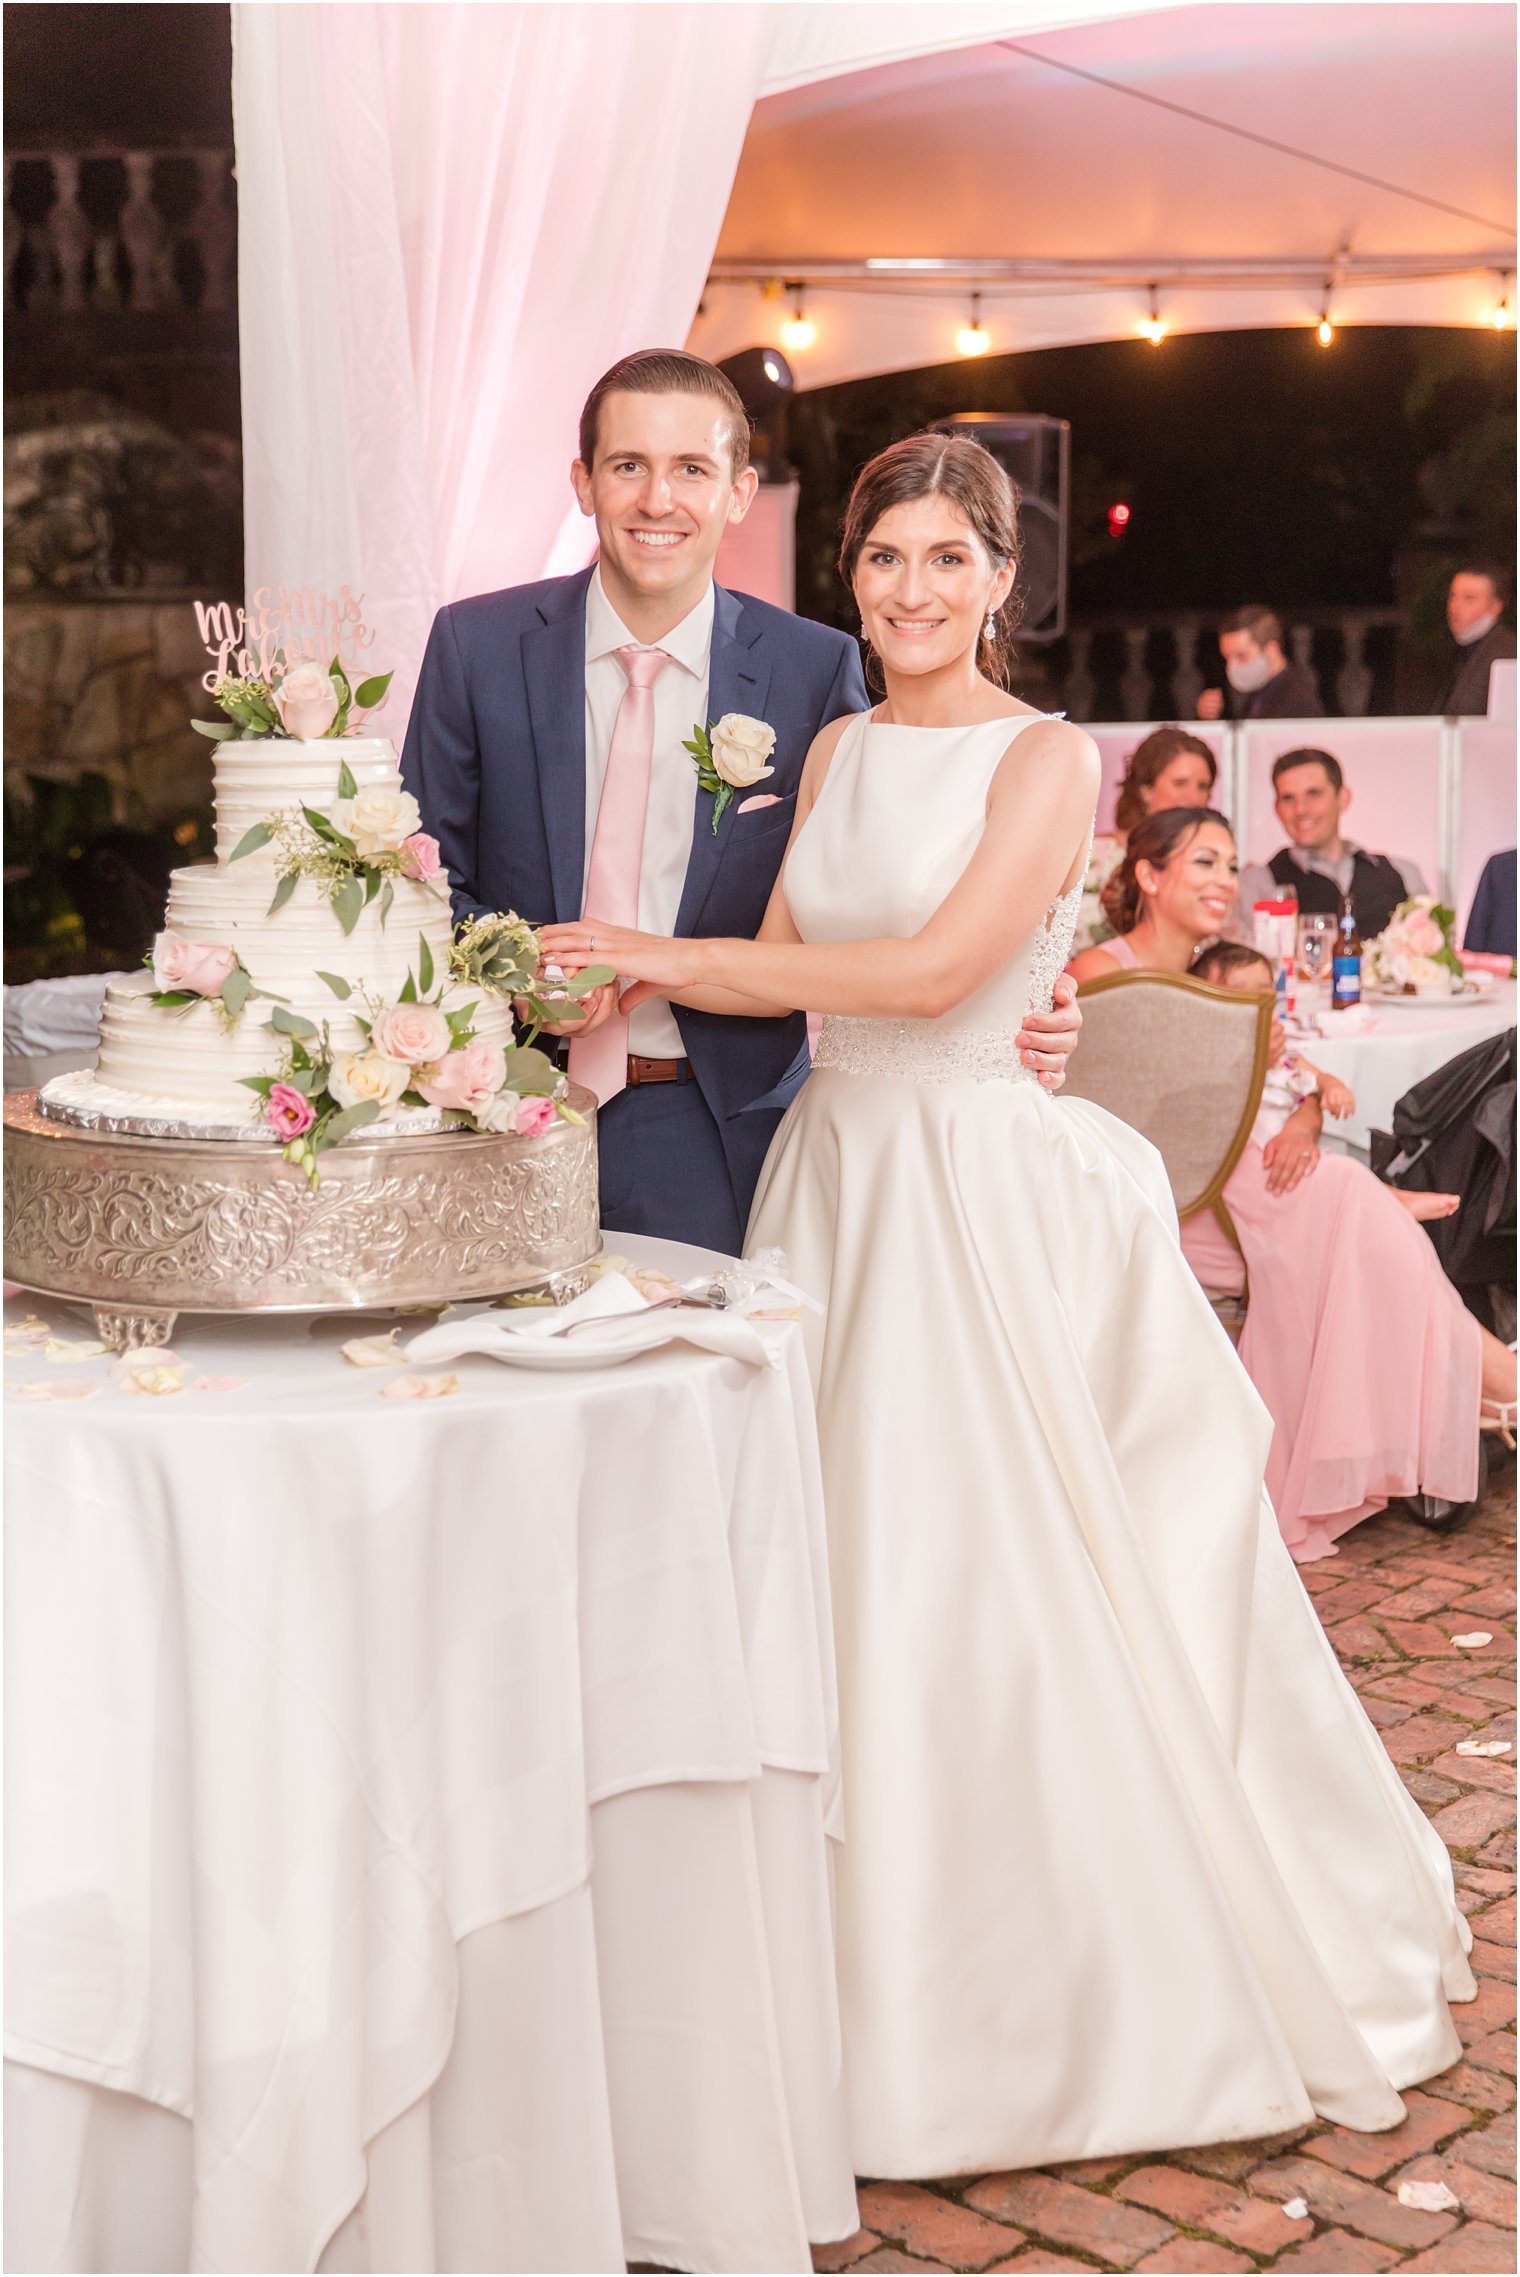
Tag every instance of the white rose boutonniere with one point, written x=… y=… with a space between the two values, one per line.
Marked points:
x=732 y=756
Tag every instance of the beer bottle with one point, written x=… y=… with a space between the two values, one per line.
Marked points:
x=1346 y=963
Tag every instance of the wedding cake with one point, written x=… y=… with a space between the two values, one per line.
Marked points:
x=189 y=1063
x=309 y=983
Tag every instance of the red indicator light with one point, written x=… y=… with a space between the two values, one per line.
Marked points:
x=1118 y=520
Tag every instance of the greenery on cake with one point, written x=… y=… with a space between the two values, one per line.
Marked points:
x=298 y=701
x=354 y=855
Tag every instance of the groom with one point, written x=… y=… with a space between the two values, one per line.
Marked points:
x=545 y=750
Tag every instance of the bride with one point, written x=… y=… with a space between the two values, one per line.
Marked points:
x=1126 y=1867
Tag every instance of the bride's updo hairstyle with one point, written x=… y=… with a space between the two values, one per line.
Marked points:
x=1155 y=840
x=956 y=468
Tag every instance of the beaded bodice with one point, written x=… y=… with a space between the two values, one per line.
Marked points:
x=897 y=820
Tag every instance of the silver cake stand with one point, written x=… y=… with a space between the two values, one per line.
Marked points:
x=145 y=1228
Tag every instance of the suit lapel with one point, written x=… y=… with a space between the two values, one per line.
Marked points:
x=737 y=681
x=554 y=668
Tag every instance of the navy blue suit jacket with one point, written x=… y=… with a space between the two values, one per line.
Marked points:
x=496 y=758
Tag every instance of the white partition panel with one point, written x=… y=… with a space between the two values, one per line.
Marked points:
x=1117 y=739
x=1483 y=803
x=1392 y=768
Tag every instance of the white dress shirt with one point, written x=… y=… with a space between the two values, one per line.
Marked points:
x=680 y=703
x=1258 y=884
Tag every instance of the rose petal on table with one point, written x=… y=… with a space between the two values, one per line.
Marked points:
x=33 y=1391
x=219 y=1383
x=62 y=1350
x=25 y=1335
x=1430 y=2197
x=1295 y=2208
x=153 y=1383
x=419 y=1387
x=146 y=1356
x=1484 y=1747
x=1473 y=1639
x=373 y=1351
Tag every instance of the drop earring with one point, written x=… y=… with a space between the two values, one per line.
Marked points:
x=989 y=629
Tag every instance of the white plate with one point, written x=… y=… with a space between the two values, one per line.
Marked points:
x=1469 y=1001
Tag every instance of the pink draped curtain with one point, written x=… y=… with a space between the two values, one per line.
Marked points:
x=452 y=219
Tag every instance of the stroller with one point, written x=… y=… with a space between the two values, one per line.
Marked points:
x=1455 y=1134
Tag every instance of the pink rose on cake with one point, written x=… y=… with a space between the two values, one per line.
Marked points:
x=467 y=1079
x=199 y=967
x=308 y=701
x=356 y=1077
x=413 y=1032
x=508 y=1113
x=420 y=857
x=290 y=1113
x=534 y=1117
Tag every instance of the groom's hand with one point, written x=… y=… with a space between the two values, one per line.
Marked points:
x=597 y=1005
x=1047 y=1039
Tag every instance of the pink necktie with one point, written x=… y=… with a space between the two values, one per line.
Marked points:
x=600 y=1061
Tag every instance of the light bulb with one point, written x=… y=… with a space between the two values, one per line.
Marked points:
x=1326 y=332
x=972 y=340
x=1502 y=316
x=1151 y=328
x=799 y=332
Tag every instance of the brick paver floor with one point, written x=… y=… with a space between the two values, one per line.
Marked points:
x=1393 y=1600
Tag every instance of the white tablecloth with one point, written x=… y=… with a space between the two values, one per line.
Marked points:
x=1398 y=1049
x=415 y=1847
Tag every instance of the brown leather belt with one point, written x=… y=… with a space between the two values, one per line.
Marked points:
x=658 y=1070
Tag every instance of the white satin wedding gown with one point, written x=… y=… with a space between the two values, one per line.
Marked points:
x=1125 y=1865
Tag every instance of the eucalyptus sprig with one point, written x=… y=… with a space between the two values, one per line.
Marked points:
x=708 y=778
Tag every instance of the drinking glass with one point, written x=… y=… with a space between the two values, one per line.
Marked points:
x=1316 y=940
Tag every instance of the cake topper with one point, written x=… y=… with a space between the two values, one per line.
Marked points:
x=282 y=624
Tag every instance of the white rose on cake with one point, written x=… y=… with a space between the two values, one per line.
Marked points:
x=741 y=748
x=379 y=820
x=356 y=1077
x=308 y=701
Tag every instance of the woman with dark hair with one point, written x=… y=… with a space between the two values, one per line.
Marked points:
x=1168 y=767
x=1126 y=1866
x=1377 y=1377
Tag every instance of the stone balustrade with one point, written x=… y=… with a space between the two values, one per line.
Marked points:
x=141 y=231
x=1154 y=666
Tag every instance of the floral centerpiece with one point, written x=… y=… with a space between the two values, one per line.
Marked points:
x=294 y=698
x=1416 y=954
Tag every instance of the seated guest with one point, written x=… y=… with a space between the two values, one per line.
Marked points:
x=1474 y=605
x=1168 y=767
x=1377 y=1377
x=1321 y=863
x=1491 y=920
x=1264 y=685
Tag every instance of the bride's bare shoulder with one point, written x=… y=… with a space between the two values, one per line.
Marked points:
x=1047 y=743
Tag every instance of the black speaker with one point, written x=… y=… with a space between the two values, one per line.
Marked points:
x=1036 y=451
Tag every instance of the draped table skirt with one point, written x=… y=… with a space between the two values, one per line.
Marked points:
x=418 y=1817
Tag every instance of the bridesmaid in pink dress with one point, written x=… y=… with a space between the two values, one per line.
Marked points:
x=1374 y=1371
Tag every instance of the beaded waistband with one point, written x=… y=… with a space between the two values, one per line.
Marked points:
x=920 y=1051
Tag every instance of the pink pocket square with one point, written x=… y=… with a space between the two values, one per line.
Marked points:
x=765 y=798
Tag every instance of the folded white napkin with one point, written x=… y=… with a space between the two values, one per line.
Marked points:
x=626 y=1324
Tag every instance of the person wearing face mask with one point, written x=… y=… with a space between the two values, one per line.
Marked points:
x=1264 y=685
x=1474 y=606
x=1377 y=1377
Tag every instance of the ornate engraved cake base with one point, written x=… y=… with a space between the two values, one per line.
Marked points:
x=144 y=1229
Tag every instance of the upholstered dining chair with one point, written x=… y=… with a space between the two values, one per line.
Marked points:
x=1183 y=1063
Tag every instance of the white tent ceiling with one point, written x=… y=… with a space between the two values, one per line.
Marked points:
x=1061 y=199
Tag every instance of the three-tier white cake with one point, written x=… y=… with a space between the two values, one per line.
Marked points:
x=186 y=1065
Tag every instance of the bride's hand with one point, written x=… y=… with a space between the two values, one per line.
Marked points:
x=668 y=964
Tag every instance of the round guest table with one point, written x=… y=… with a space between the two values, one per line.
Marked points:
x=1401 y=1044
x=418 y=1811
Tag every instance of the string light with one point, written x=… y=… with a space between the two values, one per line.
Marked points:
x=1503 y=316
x=1325 y=330
x=972 y=338
x=1152 y=327
x=799 y=330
